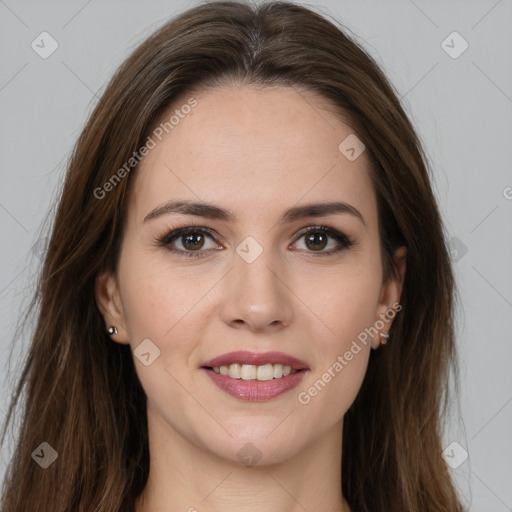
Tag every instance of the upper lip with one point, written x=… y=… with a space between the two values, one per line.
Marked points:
x=257 y=359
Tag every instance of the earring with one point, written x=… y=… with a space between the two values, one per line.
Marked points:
x=112 y=330
x=384 y=337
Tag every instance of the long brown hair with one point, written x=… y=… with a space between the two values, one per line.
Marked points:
x=82 y=394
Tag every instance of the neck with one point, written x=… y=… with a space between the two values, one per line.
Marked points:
x=183 y=476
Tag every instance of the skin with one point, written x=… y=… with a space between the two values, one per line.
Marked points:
x=256 y=152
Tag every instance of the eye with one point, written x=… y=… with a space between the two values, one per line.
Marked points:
x=317 y=238
x=190 y=241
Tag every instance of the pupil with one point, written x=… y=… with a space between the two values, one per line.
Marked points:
x=317 y=239
x=193 y=241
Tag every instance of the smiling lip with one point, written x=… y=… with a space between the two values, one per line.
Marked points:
x=258 y=359
x=254 y=390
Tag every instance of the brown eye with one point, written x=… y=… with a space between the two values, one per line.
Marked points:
x=193 y=241
x=190 y=241
x=316 y=240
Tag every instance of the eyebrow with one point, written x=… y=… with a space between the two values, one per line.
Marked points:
x=212 y=211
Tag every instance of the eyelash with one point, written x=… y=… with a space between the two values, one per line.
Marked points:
x=166 y=239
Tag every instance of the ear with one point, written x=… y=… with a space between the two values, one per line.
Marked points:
x=389 y=299
x=109 y=303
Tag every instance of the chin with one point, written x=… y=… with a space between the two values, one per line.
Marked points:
x=256 y=447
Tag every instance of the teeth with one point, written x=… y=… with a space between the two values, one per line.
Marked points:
x=248 y=372
x=265 y=372
x=278 y=371
x=234 y=371
x=253 y=372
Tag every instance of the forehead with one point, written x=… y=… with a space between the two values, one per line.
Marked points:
x=252 y=149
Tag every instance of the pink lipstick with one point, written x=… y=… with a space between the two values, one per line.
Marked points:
x=255 y=376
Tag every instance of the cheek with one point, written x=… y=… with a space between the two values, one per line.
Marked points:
x=342 y=355
x=158 y=306
x=346 y=298
x=351 y=309
x=347 y=308
x=155 y=298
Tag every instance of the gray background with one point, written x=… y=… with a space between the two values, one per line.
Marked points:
x=462 y=108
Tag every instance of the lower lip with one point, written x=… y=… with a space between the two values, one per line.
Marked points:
x=255 y=390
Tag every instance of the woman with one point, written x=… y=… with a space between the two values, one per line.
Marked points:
x=246 y=302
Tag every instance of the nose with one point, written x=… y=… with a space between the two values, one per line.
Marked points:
x=256 y=296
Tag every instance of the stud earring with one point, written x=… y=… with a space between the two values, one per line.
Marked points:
x=384 y=337
x=112 y=330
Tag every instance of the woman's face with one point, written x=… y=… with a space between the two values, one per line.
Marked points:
x=256 y=281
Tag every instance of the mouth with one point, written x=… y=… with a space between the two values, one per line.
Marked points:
x=253 y=372
x=255 y=377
